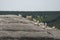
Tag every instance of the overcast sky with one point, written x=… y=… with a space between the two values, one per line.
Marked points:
x=29 y=5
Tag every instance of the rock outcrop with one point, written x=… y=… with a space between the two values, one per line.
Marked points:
x=13 y=27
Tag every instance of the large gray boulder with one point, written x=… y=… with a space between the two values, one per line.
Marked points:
x=17 y=28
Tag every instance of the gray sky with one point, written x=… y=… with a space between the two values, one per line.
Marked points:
x=29 y=5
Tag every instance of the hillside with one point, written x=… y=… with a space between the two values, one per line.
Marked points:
x=51 y=17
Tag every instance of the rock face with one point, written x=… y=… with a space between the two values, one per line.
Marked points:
x=13 y=27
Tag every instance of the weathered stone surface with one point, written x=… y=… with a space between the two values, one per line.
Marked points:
x=19 y=27
x=13 y=27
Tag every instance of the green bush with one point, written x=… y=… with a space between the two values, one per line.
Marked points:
x=40 y=18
